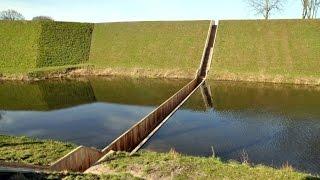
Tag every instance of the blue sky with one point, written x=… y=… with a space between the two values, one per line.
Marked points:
x=137 y=10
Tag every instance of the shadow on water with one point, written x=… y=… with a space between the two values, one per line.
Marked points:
x=89 y=112
x=273 y=124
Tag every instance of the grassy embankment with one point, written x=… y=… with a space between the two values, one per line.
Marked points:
x=149 y=48
x=153 y=49
x=285 y=51
x=151 y=165
x=281 y=51
x=32 y=151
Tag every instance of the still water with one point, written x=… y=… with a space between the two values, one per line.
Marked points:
x=90 y=112
x=262 y=123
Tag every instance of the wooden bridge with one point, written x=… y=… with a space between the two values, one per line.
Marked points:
x=133 y=139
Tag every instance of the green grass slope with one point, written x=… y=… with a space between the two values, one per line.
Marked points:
x=151 y=165
x=32 y=151
x=271 y=51
x=149 y=45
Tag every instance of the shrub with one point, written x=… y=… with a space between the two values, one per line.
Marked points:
x=32 y=44
x=19 y=44
x=64 y=43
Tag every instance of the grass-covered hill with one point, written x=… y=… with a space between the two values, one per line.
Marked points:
x=147 y=47
x=272 y=51
x=285 y=51
x=155 y=46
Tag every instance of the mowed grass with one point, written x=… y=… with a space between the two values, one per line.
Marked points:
x=32 y=151
x=151 y=165
x=149 y=45
x=274 y=50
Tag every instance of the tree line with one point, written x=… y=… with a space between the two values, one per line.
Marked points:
x=13 y=15
x=265 y=8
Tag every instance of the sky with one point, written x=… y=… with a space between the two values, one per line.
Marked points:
x=143 y=10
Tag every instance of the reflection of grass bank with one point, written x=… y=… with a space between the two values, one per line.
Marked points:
x=44 y=95
x=295 y=100
x=135 y=91
x=57 y=94
x=32 y=151
x=152 y=165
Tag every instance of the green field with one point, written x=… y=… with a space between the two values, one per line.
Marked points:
x=157 y=46
x=272 y=51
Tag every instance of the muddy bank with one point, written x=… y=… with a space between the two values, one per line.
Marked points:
x=83 y=72
x=277 y=79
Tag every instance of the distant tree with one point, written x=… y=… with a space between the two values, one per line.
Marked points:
x=266 y=7
x=42 y=18
x=310 y=8
x=11 y=15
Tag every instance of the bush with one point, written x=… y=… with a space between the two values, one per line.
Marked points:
x=19 y=44
x=42 y=18
x=64 y=43
x=32 y=44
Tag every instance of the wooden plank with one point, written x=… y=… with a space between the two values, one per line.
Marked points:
x=79 y=159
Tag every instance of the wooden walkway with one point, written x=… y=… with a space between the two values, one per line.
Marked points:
x=133 y=139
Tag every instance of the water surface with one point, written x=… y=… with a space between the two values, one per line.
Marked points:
x=265 y=123
x=90 y=112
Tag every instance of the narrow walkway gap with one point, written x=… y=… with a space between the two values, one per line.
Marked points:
x=132 y=140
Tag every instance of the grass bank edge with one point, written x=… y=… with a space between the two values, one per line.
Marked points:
x=22 y=149
x=88 y=69
x=146 y=164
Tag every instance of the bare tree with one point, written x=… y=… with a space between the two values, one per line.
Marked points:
x=11 y=15
x=305 y=8
x=42 y=18
x=310 y=8
x=266 y=7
